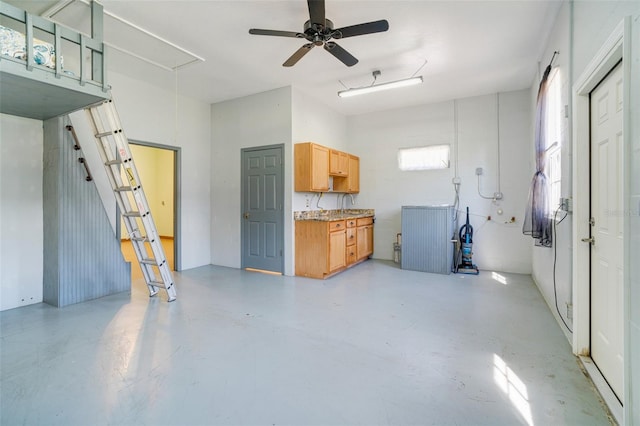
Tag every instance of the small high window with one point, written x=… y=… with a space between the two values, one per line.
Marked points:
x=424 y=158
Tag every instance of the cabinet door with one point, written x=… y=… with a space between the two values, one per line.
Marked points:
x=369 y=240
x=364 y=241
x=337 y=250
x=311 y=165
x=338 y=163
x=319 y=168
x=354 y=174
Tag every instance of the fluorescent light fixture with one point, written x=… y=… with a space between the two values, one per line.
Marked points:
x=378 y=87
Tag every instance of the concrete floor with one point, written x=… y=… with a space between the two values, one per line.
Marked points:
x=373 y=345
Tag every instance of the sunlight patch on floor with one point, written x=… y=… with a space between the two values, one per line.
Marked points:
x=513 y=387
x=499 y=277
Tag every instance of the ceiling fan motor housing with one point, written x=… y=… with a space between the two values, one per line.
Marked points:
x=317 y=33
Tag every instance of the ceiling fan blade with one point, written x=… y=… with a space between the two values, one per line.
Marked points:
x=361 y=29
x=293 y=59
x=347 y=58
x=257 y=31
x=316 y=12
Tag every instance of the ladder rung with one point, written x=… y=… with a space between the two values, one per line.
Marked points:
x=149 y=262
x=113 y=162
x=123 y=189
x=140 y=239
x=131 y=214
x=157 y=284
x=103 y=134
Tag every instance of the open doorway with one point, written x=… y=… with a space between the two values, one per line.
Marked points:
x=159 y=169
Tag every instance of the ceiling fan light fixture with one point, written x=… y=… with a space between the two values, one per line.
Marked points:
x=379 y=87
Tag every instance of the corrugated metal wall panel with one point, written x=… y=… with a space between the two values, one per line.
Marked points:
x=426 y=238
x=83 y=260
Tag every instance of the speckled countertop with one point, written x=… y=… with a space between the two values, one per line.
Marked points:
x=329 y=215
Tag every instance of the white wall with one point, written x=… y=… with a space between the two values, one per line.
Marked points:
x=21 y=220
x=543 y=257
x=377 y=137
x=257 y=120
x=312 y=121
x=153 y=114
x=592 y=23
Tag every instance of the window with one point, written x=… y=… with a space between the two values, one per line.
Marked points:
x=424 y=158
x=553 y=138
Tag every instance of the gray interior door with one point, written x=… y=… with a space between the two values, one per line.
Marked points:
x=262 y=208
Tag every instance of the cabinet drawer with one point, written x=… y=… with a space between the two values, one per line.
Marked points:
x=351 y=223
x=351 y=236
x=336 y=225
x=351 y=255
x=365 y=221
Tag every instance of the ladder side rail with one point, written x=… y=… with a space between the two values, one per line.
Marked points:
x=104 y=148
x=139 y=196
x=135 y=182
x=140 y=250
x=116 y=133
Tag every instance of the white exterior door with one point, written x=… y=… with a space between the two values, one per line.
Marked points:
x=607 y=230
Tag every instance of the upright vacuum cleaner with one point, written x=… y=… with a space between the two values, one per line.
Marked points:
x=464 y=264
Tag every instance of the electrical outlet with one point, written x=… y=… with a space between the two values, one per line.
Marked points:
x=565 y=205
x=479 y=171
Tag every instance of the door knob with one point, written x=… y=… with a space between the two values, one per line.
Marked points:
x=246 y=215
x=589 y=240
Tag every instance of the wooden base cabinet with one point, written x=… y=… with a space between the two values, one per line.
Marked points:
x=364 y=238
x=326 y=248
x=320 y=248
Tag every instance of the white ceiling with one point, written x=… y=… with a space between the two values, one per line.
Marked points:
x=471 y=47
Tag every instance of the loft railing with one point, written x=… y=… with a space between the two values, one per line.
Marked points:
x=92 y=68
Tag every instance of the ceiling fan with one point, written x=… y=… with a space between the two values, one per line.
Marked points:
x=319 y=31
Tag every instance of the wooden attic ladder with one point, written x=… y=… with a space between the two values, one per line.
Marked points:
x=125 y=182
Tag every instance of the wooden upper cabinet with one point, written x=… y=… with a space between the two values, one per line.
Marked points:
x=311 y=162
x=351 y=182
x=354 y=174
x=338 y=163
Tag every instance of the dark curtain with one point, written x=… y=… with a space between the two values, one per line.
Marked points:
x=537 y=221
